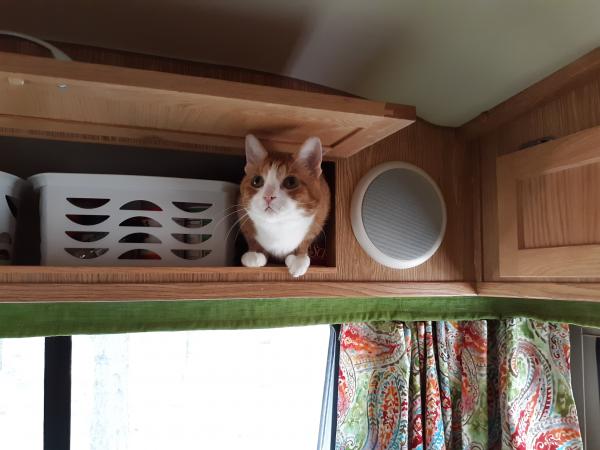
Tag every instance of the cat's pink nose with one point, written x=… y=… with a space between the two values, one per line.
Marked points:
x=269 y=199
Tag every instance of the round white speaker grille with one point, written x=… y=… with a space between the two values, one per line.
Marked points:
x=398 y=215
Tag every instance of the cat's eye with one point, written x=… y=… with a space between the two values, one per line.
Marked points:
x=257 y=181
x=290 y=182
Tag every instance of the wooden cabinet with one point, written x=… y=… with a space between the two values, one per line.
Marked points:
x=183 y=119
x=41 y=97
x=521 y=223
x=549 y=209
x=536 y=219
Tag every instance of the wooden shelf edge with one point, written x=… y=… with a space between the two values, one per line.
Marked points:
x=80 y=292
x=589 y=292
x=75 y=274
x=99 y=292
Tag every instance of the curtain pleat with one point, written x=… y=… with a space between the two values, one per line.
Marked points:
x=456 y=385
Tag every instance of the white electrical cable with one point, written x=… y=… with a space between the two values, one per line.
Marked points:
x=56 y=53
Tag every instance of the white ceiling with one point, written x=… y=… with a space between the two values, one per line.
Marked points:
x=451 y=58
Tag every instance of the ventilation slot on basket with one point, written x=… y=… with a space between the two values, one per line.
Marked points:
x=191 y=238
x=140 y=238
x=5 y=238
x=86 y=253
x=141 y=205
x=191 y=254
x=88 y=203
x=12 y=205
x=81 y=219
x=140 y=221
x=191 y=223
x=139 y=253
x=192 y=207
x=4 y=255
x=87 y=236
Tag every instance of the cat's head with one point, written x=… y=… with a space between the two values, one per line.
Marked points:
x=277 y=185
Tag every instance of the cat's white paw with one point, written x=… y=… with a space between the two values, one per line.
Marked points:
x=297 y=265
x=254 y=259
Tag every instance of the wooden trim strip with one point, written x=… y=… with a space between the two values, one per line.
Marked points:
x=165 y=275
x=589 y=292
x=54 y=292
x=579 y=71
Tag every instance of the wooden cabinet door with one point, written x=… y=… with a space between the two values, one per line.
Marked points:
x=549 y=209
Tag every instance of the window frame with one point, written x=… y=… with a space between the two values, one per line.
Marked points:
x=57 y=393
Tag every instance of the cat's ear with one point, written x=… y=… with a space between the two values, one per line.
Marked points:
x=311 y=155
x=255 y=152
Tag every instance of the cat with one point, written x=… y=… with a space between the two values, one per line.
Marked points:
x=285 y=202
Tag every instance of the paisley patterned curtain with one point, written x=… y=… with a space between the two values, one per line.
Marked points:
x=456 y=385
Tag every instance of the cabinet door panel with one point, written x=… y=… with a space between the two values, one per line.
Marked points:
x=549 y=209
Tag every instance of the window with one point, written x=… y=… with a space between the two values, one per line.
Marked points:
x=21 y=393
x=263 y=389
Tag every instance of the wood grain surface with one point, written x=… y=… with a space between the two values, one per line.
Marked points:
x=434 y=149
x=174 y=108
x=49 y=292
x=565 y=103
x=549 y=209
x=545 y=290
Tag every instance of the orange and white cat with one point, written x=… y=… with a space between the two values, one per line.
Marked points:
x=285 y=202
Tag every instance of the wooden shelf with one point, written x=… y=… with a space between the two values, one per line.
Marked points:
x=74 y=101
x=55 y=274
x=548 y=291
x=81 y=292
x=102 y=104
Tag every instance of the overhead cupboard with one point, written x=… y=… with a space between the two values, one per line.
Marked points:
x=130 y=141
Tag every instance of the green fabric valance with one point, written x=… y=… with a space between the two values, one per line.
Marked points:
x=51 y=319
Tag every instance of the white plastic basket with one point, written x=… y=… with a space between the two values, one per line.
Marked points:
x=121 y=220
x=11 y=188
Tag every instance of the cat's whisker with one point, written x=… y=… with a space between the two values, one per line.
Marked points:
x=222 y=211
x=233 y=206
x=239 y=206
x=234 y=225
x=241 y=217
x=247 y=218
x=226 y=216
x=234 y=212
x=223 y=219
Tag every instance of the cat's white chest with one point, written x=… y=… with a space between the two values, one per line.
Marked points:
x=283 y=237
